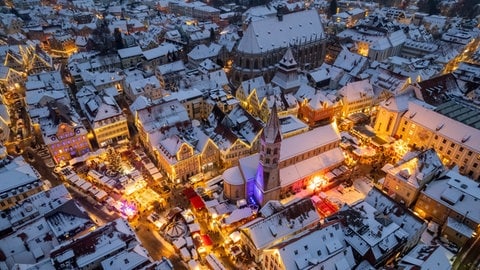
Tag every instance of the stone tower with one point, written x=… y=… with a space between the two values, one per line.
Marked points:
x=267 y=180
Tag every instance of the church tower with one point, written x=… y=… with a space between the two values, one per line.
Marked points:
x=267 y=180
x=286 y=77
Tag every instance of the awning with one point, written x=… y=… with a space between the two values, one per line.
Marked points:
x=206 y=240
x=197 y=202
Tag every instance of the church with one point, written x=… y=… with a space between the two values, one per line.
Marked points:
x=265 y=42
x=283 y=165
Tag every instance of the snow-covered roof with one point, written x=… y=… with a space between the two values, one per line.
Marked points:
x=92 y=247
x=416 y=169
x=295 y=27
x=233 y=176
x=28 y=244
x=172 y=67
x=16 y=174
x=162 y=50
x=316 y=99
x=373 y=232
x=449 y=191
x=137 y=86
x=305 y=168
x=130 y=52
x=184 y=95
x=141 y=102
x=350 y=62
x=99 y=107
x=398 y=103
x=301 y=143
x=444 y=126
x=264 y=232
x=322 y=246
x=202 y=51
x=35 y=206
x=127 y=259
x=237 y=125
x=160 y=115
x=238 y=215
x=356 y=91
x=290 y=124
x=426 y=257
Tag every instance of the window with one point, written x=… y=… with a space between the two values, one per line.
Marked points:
x=475 y=165
x=444 y=141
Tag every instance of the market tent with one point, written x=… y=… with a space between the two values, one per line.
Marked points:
x=101 y=195
x=197 y=202
x=206 y=240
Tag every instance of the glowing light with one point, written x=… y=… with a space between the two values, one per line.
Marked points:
x=128 y=209
x=317 y=182
x=400 y=147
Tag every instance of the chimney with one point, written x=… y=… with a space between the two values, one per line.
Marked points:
x=280 y=11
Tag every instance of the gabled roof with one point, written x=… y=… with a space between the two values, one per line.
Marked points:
x=295 y=27
x=437 y=90
x=237 y=125
x=264 y=232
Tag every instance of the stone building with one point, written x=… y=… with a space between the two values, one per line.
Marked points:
x=265 y=42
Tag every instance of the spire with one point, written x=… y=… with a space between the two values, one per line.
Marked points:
x=288 y=60
x=271 y=131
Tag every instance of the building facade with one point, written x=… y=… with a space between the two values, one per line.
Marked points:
x=406 y=179
x=455 y=142
x=107 y=120
x=450 y=202
x=356 y=97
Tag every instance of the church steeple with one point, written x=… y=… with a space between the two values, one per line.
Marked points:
x=267 y=182
x=286 y=77
x=272 y=133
